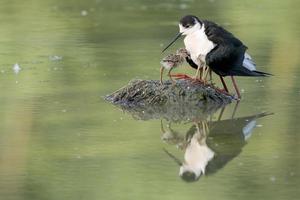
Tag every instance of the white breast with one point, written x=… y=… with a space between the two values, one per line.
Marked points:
x=198 y=44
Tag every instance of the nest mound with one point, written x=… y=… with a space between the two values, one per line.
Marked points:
x=140 y=93
x=184 y=101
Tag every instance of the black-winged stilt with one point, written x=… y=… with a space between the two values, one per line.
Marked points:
x=221 y=51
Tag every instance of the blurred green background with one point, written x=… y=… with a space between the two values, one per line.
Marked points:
x=60 y=140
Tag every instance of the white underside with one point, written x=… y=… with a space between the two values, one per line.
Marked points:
x=196 y=157
x=166 y=65
x=197 y=44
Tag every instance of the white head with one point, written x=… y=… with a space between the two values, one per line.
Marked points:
x=187 y=25
x=189 y=173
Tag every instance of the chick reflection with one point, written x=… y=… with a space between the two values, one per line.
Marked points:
x=209 y=146
x=171 y=136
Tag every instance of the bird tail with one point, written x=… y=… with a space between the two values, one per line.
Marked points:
x=242 y=71
x=262 y=73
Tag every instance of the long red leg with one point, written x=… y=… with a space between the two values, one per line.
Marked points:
x=235 y=109
x=221 y=113
x=201 y=72
x=210 y=75
x=224 y=84
x=235 y=87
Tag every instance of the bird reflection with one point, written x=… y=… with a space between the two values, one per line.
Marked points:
x=209 y=145
x=197 y=153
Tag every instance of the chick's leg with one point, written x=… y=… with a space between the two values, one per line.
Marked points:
x=161 y=74
x=170 y=76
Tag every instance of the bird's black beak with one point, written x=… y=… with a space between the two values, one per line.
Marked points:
x=177 y=161
x=176 y=37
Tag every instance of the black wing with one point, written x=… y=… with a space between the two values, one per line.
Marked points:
x=228 y=52
x=219 y=35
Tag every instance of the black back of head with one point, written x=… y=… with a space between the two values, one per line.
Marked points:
x=189 y=20
x=189 y=176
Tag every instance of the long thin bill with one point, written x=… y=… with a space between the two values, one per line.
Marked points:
x=176 y=37
x=177 y=161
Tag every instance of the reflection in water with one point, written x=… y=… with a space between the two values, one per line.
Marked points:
x=170 y=135
x=179 y=113
x=209 y=145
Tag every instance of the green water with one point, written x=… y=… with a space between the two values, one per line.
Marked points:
x=60 y=140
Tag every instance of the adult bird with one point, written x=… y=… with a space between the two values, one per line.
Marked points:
x=222 y=52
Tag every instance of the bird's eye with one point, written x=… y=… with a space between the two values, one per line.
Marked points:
x=187 y=26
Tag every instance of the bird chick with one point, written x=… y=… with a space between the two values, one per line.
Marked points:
x=172 y=61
